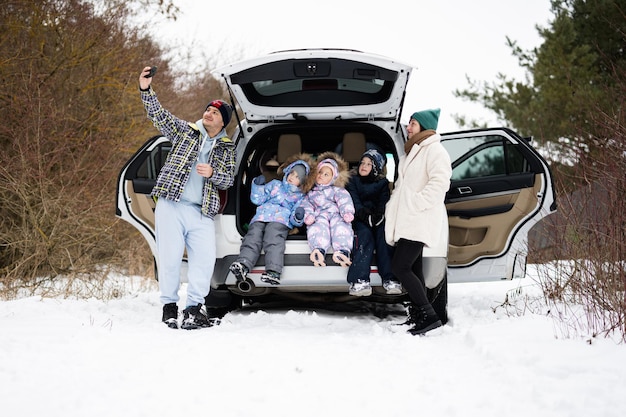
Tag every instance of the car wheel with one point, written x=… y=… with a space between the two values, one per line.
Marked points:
x=220 y=302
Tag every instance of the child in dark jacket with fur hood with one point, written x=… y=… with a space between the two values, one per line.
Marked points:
x=369 y=189
x=329 y=211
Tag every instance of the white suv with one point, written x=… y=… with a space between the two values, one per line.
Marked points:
x=318 y=100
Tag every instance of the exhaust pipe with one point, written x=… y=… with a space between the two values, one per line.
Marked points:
x=245 y=286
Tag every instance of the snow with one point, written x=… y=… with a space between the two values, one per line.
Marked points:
x=88 y=357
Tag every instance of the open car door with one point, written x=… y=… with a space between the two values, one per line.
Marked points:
x=135 y=183
x=500 y=188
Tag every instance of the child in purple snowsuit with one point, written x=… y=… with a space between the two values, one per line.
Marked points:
x=277 y=213
x=329 y=211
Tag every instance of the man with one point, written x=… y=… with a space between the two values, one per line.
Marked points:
x=201 y=162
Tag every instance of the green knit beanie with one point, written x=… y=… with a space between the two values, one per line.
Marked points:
x=428 y=119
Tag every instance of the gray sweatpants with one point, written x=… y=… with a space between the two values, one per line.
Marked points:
x=269 y=237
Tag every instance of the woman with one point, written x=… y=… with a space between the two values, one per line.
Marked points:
x=416 y=213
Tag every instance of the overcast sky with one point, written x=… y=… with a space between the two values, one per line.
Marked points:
x=445 y=40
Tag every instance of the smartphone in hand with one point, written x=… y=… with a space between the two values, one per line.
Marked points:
x=153 y=71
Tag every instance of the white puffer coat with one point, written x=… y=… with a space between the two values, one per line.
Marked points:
x=416 y=210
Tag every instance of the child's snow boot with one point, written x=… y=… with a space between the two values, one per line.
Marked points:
x=239 y=270
x=271 y=277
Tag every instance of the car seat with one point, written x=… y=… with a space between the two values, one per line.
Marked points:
x=352 y=148
x=288 y=144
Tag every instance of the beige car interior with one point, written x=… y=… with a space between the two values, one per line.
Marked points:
x=487 y=235
x=288 y=145
x=142 y=205
x=353 y=147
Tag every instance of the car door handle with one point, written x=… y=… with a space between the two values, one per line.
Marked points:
x=464 y=190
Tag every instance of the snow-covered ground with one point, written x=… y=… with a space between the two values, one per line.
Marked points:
x=77 y=357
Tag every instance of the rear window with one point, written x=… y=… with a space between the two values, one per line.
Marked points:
x=315 y=82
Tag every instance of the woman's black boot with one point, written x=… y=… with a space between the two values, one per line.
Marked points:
x=425 y=320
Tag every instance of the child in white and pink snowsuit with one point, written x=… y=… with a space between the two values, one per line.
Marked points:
x=329 y=211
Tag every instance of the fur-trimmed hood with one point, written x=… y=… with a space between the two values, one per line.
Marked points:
x=342 y=176
x=311 y=171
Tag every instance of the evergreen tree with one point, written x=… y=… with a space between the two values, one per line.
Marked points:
x=572 y=75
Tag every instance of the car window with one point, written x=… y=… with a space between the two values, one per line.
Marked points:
x=271 y=88
x=150 y=167
x=484 y=156
x=320 y=82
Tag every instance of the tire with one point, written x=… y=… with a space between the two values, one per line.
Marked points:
x=219 y=302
